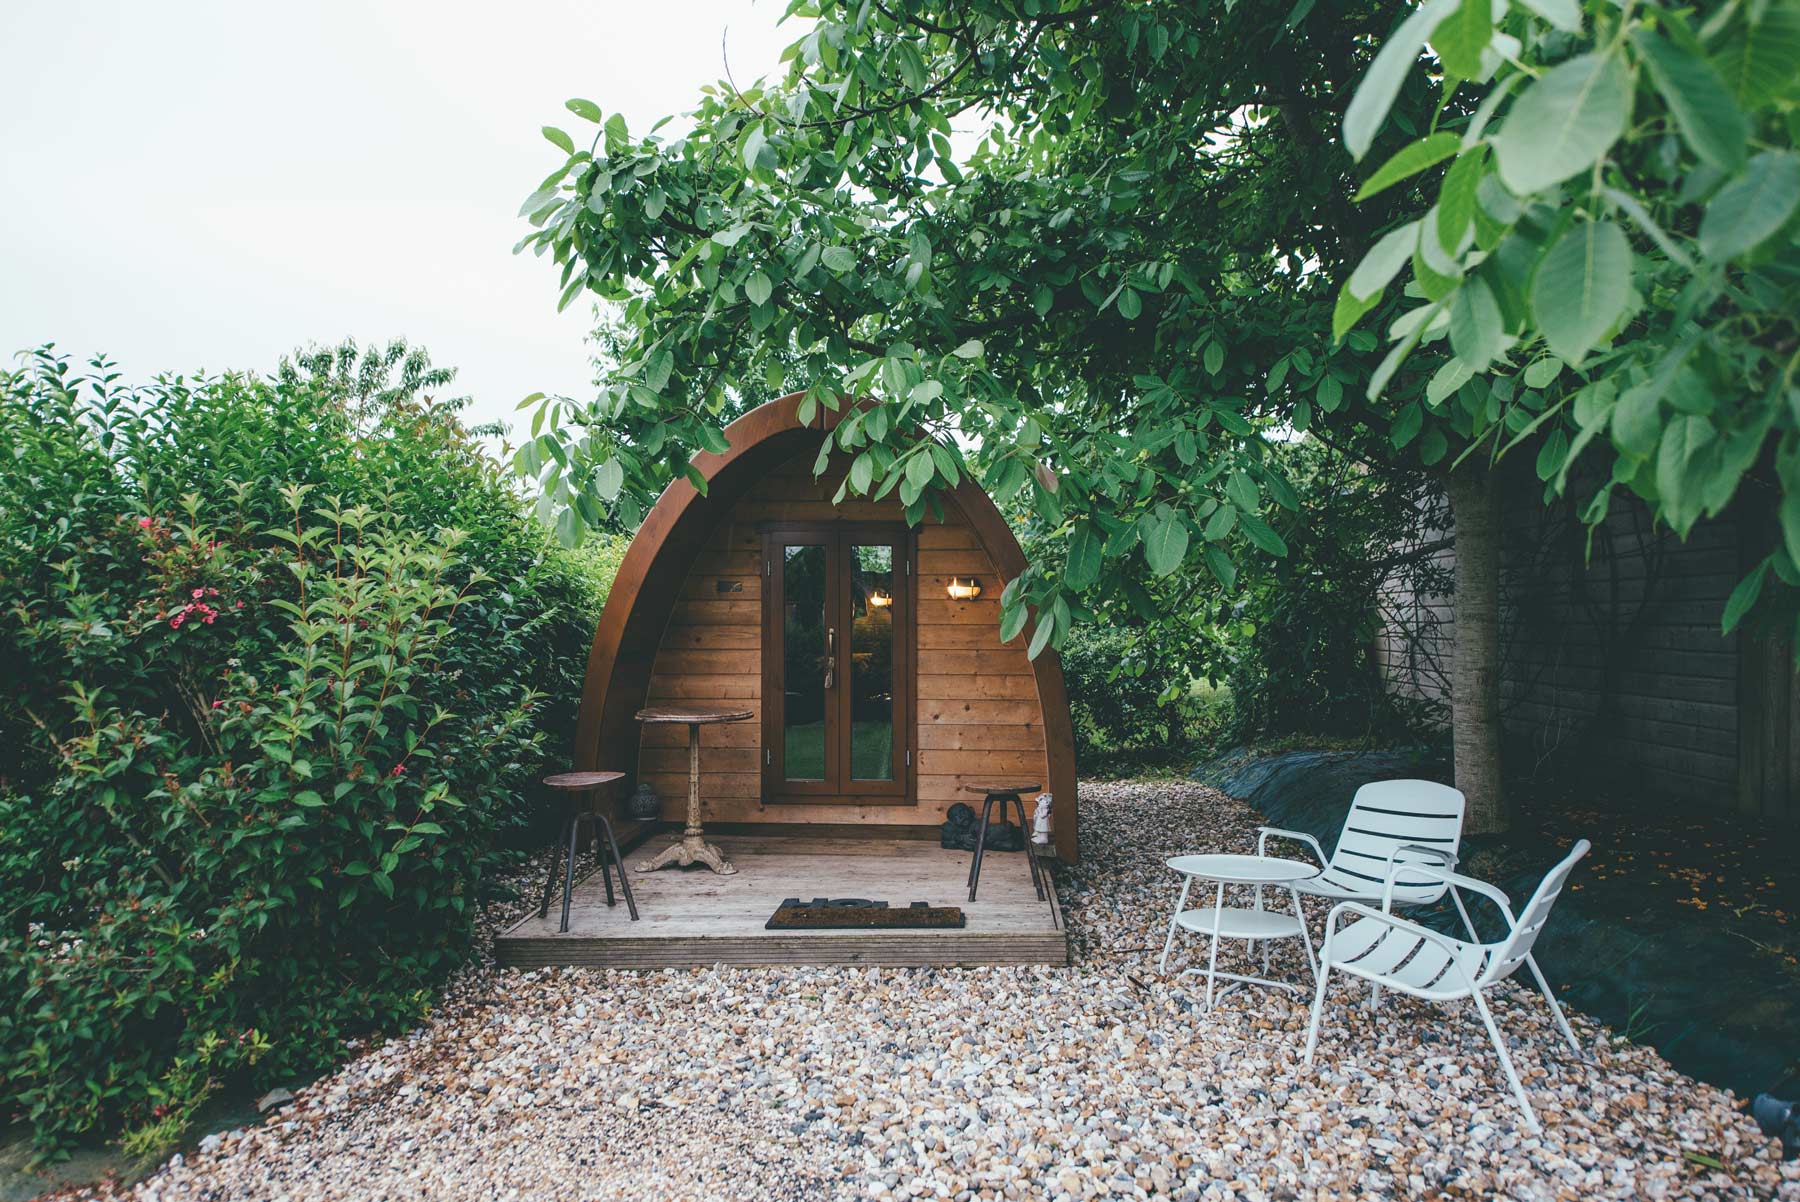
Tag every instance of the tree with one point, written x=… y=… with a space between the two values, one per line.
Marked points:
x=1103 y=310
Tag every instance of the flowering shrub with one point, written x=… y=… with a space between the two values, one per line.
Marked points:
x=263 y=734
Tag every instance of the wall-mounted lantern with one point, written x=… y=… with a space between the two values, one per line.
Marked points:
x=880 y=599
x=963 y=588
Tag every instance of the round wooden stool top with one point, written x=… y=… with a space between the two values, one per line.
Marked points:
x=692 y=715
x=1002 y=788
x=576 y=782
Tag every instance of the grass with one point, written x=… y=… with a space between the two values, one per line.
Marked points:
x=871 y=751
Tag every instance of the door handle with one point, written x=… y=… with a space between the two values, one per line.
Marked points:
x=830 y=654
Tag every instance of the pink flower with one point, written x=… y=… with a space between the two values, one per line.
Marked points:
x=217 y=704
x=143 y=523
x=175 y=622
x=238 y=605
x=398 y=770
x=199 y=593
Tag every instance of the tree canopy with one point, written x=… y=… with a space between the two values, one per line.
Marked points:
x=1108 y=307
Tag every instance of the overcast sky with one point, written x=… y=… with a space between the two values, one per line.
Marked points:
x=195 y=185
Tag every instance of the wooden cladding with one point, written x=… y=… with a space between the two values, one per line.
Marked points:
x=971 y=702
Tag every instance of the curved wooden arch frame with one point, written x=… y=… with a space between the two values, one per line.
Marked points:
x=663 y=551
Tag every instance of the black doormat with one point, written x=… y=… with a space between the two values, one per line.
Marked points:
x=859 y=914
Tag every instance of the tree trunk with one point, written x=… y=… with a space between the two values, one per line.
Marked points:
x=1474 y=492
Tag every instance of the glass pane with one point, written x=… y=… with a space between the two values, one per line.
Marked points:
x=872 y=663
x=803 y=661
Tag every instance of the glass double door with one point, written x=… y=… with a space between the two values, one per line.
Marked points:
x=837 y=664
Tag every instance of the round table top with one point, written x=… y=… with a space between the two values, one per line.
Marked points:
x=1002 y=787
x=581 y=780
x=1244 y=870
x=692 y=715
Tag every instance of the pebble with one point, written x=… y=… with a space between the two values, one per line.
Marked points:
x=1106 y=1079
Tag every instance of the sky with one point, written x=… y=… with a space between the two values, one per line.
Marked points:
x=207 y=186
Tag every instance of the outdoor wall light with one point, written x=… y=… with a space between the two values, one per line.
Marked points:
x=880 y=598
x=961 y=589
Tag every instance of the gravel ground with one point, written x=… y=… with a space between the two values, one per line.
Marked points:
x=1103 y=1080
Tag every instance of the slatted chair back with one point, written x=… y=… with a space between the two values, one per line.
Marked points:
x=1511 y=952
x=1385 y=816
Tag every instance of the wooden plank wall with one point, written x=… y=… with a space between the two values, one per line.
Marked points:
x=978 y=712
x=1613 y=665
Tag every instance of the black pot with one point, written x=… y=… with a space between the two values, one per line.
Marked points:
x=644 y=805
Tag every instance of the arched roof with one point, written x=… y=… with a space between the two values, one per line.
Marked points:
x=663 y=551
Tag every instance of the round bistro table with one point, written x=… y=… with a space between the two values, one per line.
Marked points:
x=693 y=848
x=1255 y=925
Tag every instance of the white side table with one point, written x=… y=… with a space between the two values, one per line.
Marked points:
x=1255 y=925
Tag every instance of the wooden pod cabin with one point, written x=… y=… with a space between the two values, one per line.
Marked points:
x=877 y=695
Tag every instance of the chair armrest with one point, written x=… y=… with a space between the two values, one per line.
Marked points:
x=1455 y=881
x=1262 y=839
x=1447 y=859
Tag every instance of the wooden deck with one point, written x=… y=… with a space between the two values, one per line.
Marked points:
x=690 y=917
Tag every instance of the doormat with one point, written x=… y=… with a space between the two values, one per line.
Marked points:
x=859 y=914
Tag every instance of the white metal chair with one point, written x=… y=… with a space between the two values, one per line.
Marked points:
x=1390 y=951
x=1387 y=818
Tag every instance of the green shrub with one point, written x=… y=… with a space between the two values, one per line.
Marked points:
x=1133 y=708
x=280 y=647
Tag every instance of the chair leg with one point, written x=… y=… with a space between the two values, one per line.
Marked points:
x=1374 y=997
x=549 y=885
x=1318 y=1008
x=574 y=828
x=612 y=845
x=1555 y=1009
x=602 y=860
x=1512 y=1075
x=987 y=810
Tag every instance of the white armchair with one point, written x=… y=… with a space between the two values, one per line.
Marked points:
x=1392 y=952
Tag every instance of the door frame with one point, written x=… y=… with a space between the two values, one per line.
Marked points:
x=839 y=788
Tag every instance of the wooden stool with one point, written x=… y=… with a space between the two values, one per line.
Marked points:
x=1003 y=793
x=574 y=784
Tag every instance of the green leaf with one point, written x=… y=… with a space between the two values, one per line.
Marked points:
x=1460 y=38
x=587 y=110
x=1375 y=92
x=1562 y=124
x=1541 y=372
x=1477 y=333
x=758 y=289
x=1581 y=288
x=1743 y=597
x=609 y=477
x=559 y=139
x=309 y=799
x=862 y=473
x=1085 y=547
x=1412 y=159
x=1750 y=209
x=1221 y=567
x=1681 y=461
x=1790 y=524
x=1456 y=199
x=920 y=470
x=1758 y=62
x=1383 y=262
x=969 y=350
x=1709 y=119
x=1012 y=621
x=1165 y=539
x=1130 y=304
x=1563 y=14
x=1214 y=359
x=1221 y=523
x=1040 y=638
x=569 y=527
x=838 y=259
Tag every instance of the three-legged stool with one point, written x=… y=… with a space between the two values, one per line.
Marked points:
x=1003 y=793
x=574 y=785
